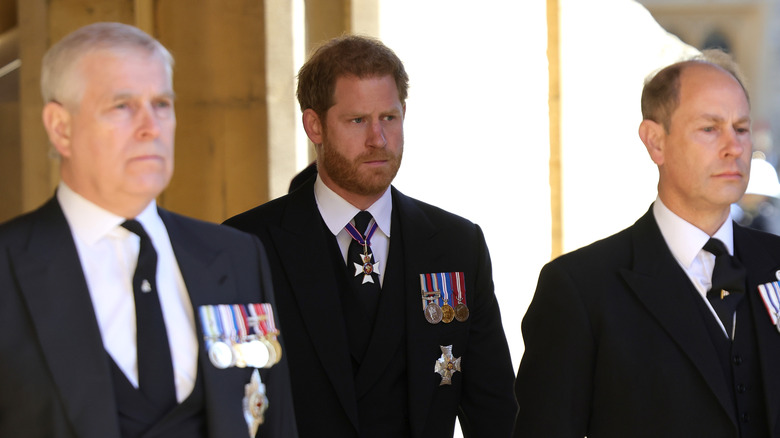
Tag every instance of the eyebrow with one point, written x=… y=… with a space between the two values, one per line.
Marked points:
x=716 y=118
x=128 y=95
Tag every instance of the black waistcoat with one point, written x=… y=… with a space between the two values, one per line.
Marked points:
x=139 y=419
x=739 y=360
x=383 y=408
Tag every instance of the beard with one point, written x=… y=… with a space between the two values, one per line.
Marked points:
x=349 y=175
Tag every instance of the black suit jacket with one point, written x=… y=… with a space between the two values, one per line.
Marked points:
x=432 y=240
x=616 y=347
x=54 y=372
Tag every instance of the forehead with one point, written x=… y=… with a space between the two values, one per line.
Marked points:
x=707 y=86
x=370 y=91
x=122 y=64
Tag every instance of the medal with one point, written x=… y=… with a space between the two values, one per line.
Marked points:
x=240 y=335
x=770 y=293
x=446 y=365
x=431 y=309
x=221 y=355
x=447 y=312
x=459 y=283
x=256 y=354
x=365 y=266
x=453 y=290
x=255 y=403
x=433 y=313
x=461 y=312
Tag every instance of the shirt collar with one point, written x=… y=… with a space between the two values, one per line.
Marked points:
x=684 y=239
x=337 y=212
x=90 y=222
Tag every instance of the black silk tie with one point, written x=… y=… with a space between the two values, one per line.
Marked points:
x=367 y=292
x=728 y=283
x=155 y=368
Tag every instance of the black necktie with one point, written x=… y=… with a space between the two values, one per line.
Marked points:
x=155 y=369
x=728 y=283
x=367 y=291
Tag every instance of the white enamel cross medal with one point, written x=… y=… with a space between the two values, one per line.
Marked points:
x=366 y=268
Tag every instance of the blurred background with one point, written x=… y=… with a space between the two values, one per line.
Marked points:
x=522 y=116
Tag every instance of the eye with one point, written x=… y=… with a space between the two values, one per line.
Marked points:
x=163 y=103
x=389 y=118
x=357 y=120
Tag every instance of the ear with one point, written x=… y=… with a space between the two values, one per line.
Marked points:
x=312 y=124
x=653 y=135
x=57 y=121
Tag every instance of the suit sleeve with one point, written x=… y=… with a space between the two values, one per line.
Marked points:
x=280 y=417
x=554 y=382
x=487 y=407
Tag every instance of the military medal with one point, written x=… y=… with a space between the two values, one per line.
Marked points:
x=459 y=283
x=431 y=309
x=220 y=353
x=365 y=266
x=255 y=403
x=451 y=301
x=447 y=312
x=446 y=365
x=770 y=293
x=240 y=335
x=253 y=352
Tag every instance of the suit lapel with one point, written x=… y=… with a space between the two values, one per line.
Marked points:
x=664 y=289
x=419 y=252
x=52 y=282
x=762 y=268
x=302 y=244
x=206 y=274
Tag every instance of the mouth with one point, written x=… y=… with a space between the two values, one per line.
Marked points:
x=731 y=175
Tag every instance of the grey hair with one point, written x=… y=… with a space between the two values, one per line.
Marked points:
x=58 y=73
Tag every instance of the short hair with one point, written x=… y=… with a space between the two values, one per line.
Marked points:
x=60 y=61
x=348 y=55
x=661 y=93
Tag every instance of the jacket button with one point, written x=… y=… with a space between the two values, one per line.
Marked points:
x=737 y=360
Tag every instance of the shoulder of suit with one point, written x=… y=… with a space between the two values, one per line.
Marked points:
x=17 y=229
x=611 y=251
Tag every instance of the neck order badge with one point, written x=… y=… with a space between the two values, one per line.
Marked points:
x=365 y=267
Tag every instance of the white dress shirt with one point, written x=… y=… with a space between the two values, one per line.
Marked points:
x=686 y=241
x=337 y=213
x=108 y=254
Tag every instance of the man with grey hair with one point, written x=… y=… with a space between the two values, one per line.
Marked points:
x=119 y=318
x=670 y=327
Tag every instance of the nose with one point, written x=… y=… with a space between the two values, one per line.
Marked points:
x=736 y=142
x=148 y=124
x=376 y=135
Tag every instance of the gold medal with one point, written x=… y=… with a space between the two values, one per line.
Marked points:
x=273 y=357
x=433 y=313
x=277 y=347
x=447 y=313
x=461 y=312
